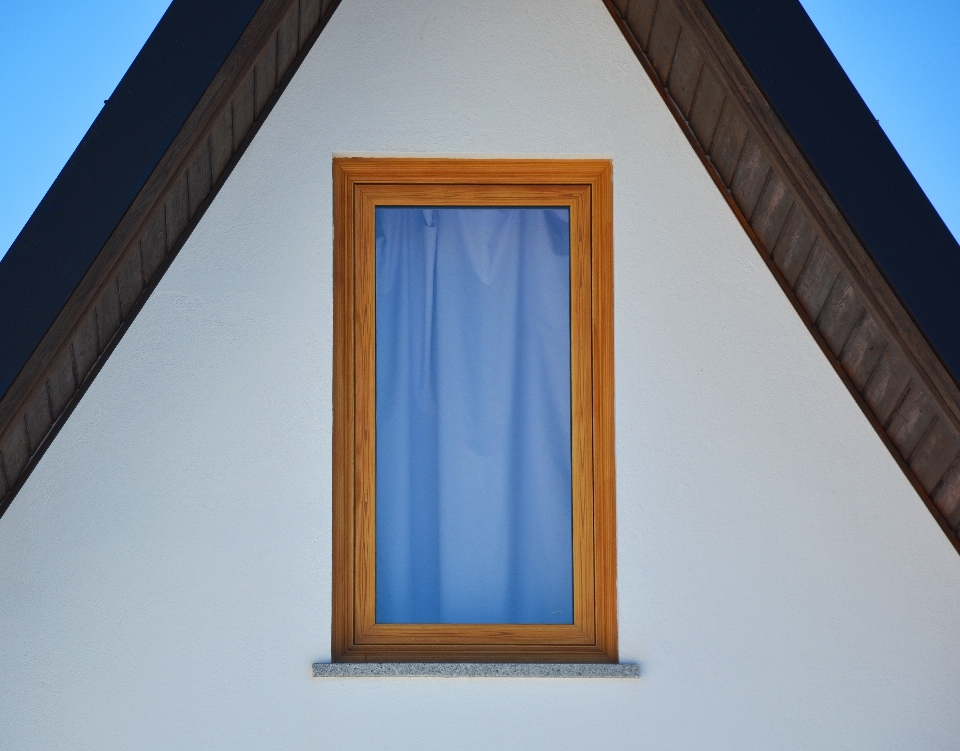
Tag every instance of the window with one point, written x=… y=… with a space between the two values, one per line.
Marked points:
x=473 y=493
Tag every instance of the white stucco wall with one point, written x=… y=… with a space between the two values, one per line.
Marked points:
x=165 y=572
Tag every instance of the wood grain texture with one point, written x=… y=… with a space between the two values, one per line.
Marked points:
x=243 y=109
x=728 y=142
x=750 y=176
x=887 y=385
x=108 y=314
x=86 y=348
x=706 y=107
x=344 y=417
x=604 y=445
x=16 y=450
x=793 y=247
x=153 y=245
x=309 y=18
x=840 y=313
x=664 y=35
x=130 y=281
x=199 y=178
x=814 y=254
x=770 y=214
x=582 y=242
x=476 y=653
x=817 y=280
x=221 y=144
x=38 y=419
x=4 y=486
x=474 y=634
x=863 y=351
x=947 y=495
x=62 y=384
x=585 y=187
x=148 y=236
x=685 y=73
x=265 y=76
x=177 y=211
x=911 y=420
x=934 y=455
x=364 y=407
x=639 y=18
x=288 y=40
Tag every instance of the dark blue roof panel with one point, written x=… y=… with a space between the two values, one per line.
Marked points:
x=113 y=161
x=855 y=159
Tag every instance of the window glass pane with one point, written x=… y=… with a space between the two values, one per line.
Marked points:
x=474 y=507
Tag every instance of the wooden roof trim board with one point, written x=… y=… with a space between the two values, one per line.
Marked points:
x=152 y=231
x=812 y=250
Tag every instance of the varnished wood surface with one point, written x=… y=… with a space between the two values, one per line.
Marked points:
x=812 y=251
x=585 y=188
x=151 y=232
x=344 y=417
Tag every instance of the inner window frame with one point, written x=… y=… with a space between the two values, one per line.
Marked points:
x=585 y=188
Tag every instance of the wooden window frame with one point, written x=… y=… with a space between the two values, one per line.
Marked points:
x=586 y=188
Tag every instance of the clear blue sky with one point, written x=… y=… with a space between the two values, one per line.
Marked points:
x=61 y=59
x=904 y=59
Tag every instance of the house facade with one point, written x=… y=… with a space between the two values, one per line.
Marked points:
x=166 y=568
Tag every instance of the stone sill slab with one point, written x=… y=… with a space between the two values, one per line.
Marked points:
x=471 y=670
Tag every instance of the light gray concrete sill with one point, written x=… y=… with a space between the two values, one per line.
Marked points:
x=470 y=670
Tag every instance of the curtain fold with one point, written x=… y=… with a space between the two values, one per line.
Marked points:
x=474 y=507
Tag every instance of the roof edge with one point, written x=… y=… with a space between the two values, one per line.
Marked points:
x=807 y=242
x=153 y=229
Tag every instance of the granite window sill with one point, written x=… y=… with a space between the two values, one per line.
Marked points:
x=471 y=670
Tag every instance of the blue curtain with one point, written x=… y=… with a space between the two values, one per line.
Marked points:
x=474 y=506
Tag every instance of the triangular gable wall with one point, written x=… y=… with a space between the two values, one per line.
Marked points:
x=168 y=563
x=823 y=268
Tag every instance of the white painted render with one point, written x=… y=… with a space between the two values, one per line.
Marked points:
x=165 y=571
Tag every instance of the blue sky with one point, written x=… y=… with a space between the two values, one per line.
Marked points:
x=904 y=59
x=62 y=58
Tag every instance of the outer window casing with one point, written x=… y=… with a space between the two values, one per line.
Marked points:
x=585 y=187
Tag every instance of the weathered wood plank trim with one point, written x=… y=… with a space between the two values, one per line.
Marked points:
x=808 y=244
x=685 y=73
x=863 y=351
x=751 y=177
x=902 y=387
x=706 y=108
x=154 y=228
x=639 y=18
x=664 y=36
x=838 y=232
x=794 y=246
x=934 y=455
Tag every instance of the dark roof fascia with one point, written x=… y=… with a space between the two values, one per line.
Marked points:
x=236 y=99
x=109 y=167
x=807 y=241
x=854 y=158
